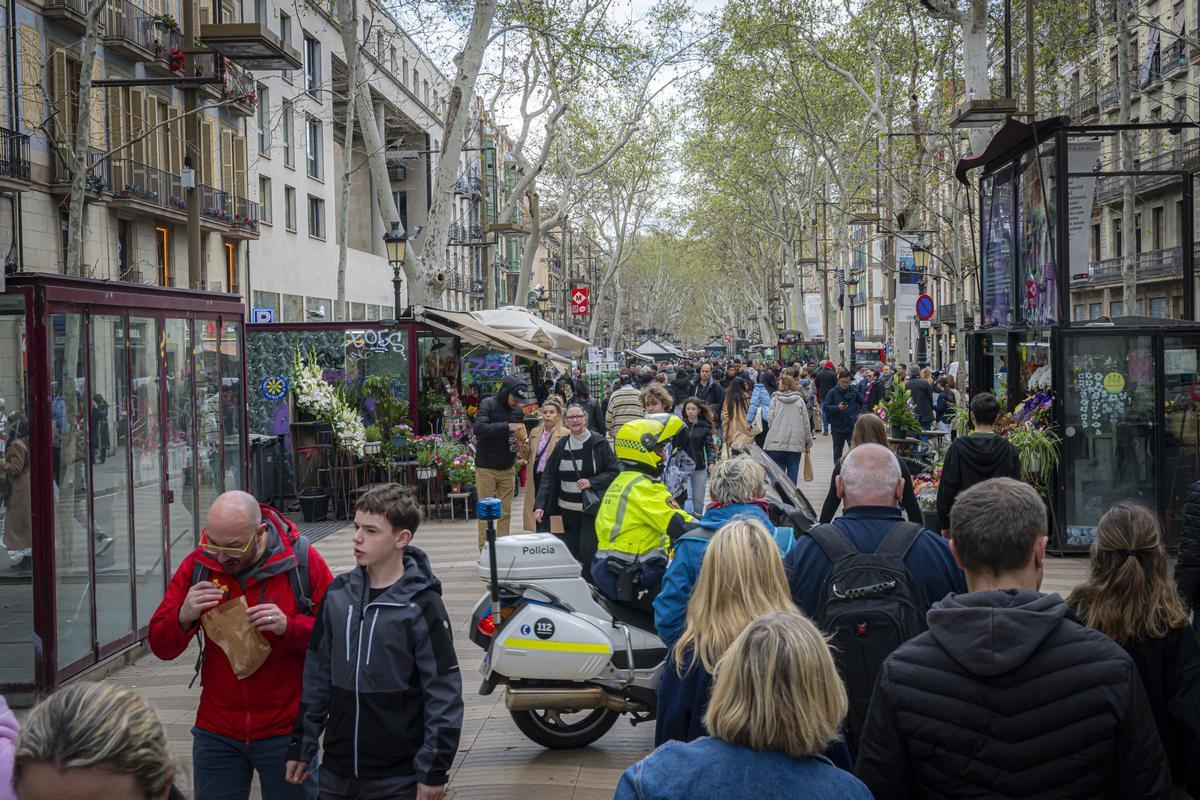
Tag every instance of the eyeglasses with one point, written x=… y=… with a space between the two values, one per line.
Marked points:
x=575 y=416
x=236 y=552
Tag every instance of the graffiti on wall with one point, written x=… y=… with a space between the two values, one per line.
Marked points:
x=363 y=343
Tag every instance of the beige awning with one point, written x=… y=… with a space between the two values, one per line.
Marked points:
x=465 y=326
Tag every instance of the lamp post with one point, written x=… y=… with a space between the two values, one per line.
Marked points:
x=851 y=295
x=921 y=260
x=396 y=242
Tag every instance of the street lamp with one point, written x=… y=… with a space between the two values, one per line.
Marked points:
x=396 y=242
x=921 y=261
x=851 y=295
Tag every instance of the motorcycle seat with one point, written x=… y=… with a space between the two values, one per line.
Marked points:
x=633 y=617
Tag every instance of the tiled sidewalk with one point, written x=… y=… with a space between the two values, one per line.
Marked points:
x=495 y=761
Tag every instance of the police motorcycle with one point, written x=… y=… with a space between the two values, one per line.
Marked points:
x=571 y=659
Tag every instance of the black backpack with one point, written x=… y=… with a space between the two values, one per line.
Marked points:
x=870 y=606
x=297 y=577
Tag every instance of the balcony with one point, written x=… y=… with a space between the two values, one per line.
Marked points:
x=239 y=91
x=99 y=172
x=947 y=314
x=454 y=235
x=1154 y=264
x=397 y=172
x=1186 y=156
x=1109 y=97
x=70 y=13
x=461 y=187
x=1175 y=57
x=245 y=219
x=14 y=160
x=475 y=185
x=1086 y=105
x=138 y=36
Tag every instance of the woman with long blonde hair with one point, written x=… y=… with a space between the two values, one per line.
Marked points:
x=870 y=429
x=1131 y=599
x=777 y=703
x=741 y=578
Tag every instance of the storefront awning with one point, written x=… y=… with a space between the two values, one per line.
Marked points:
x=463 y=325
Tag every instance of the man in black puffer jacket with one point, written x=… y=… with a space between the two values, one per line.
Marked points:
x=1007 y=694
x=499 y=436
x=1187 y=568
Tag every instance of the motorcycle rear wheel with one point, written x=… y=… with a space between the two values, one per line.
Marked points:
x=560 y=730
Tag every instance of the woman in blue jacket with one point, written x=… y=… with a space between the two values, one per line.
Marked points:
x=776 y=706
x=736 y=488
x=760 y=403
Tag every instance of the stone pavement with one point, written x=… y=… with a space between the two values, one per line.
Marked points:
x=495 y=760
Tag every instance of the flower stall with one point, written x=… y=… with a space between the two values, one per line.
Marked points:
x=1102 y=408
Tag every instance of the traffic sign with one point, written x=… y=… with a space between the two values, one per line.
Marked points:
x=924 y=307
x=260 y=315
x=580 y=301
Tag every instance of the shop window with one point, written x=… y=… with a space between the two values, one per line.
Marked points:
x=372 y=311
x=1094 y=311
x=16 y=658
x=1158 y=307
x=267 y=300
x=1116 y=308
x=358 y=311
x=293 y=308
x=1077 y=314
x=318 y=308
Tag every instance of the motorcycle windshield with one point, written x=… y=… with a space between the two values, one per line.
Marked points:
x=779 y=487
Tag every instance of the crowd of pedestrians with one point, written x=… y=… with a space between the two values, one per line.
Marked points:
x=865 y=657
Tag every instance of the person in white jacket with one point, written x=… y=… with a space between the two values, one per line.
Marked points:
x=789 y=434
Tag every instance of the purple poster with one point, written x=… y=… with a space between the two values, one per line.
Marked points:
x=1039 y=295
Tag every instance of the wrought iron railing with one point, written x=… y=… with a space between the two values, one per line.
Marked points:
x=135 y=180
x=1163 y=263
x=14 y=155
x=246 y=214
x=215 y=204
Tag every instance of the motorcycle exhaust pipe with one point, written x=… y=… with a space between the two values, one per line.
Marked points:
x=565 y=699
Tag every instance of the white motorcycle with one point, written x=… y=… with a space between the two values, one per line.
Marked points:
x=572 y=660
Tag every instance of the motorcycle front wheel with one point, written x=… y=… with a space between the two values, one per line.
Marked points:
x=564 y=730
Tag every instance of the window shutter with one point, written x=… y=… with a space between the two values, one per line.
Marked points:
x=176 y=140
x=206 y=152
x=137 y=124
x=61 y=127
x=227 y=161
x=153 y=154
x=31 y=77
x=117 y=135
x=239 y=166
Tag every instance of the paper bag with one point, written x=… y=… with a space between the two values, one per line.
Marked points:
x=228 y=627
x=808 y=467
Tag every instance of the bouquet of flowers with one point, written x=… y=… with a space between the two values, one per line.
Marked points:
x=461 y=470
x=897 y=410
x=1036 y=408
x=313 y=395
x=348 y=428
x=925 y=487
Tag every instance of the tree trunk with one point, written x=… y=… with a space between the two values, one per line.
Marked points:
x=1125 y=78
x=427 y=287
x=975 y=64
x=352 y=58
x=79 y=148
x=532 y=242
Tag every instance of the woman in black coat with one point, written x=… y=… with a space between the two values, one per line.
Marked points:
x=1187 y=568
x=696 y=439
x=1129 y=598
x=582 y=463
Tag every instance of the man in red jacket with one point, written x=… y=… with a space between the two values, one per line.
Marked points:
x=244 y=725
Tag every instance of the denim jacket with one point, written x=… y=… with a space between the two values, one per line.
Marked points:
x=760 y=403
x=712 y=768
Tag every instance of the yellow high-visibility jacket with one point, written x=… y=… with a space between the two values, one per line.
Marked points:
x=636 y=517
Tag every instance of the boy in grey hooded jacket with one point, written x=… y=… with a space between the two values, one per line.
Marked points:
x=381 y=678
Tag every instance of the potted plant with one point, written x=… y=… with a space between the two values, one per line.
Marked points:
x=461 y=471
x=371 y=436
x=897 y=411
x=925 y=487
x=426 y=456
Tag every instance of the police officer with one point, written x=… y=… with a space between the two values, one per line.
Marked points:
x=638 y=518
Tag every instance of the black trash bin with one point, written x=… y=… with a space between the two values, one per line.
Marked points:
x=314 y=503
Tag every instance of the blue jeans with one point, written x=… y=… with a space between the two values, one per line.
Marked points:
x=697 y=484
x=789 y=462
x=222 y=768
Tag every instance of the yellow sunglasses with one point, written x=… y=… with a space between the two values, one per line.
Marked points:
x=236 y=552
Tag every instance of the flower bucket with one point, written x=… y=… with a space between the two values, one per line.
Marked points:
x=456 y=488
x=425 y=473
x=372 y=448
x=314 y=503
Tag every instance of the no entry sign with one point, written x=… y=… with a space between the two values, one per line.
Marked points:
x=924 y=307
x=580 y=300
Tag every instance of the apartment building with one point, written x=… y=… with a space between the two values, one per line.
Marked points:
x=136 y=211
x=1163 y=90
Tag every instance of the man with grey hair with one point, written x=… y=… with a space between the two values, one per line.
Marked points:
x=870 y=486
x=736 y=488
x=1008 y=694
x=869 y=577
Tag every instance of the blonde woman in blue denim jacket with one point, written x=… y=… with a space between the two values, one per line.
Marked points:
x=776 y=705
